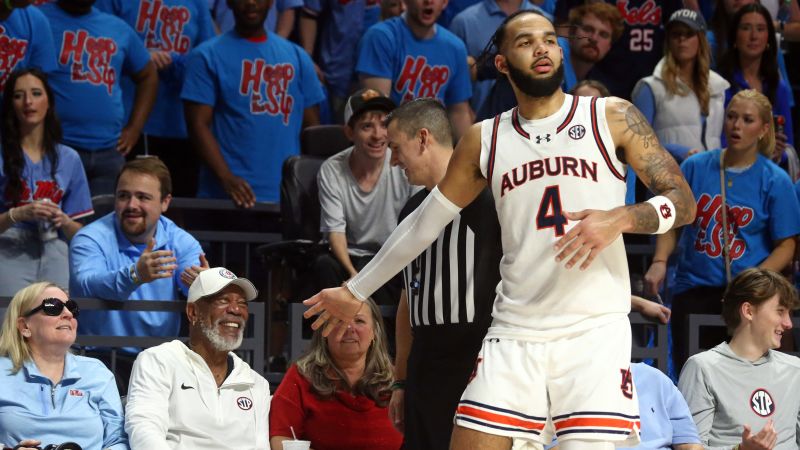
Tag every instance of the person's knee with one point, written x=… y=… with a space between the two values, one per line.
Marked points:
x=469 y=439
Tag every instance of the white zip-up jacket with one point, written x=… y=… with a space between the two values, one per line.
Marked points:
x=174 y=403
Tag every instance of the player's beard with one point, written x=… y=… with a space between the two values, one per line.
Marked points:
x=536 y=87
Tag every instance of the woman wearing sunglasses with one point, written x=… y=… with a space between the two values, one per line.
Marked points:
x=47 y=394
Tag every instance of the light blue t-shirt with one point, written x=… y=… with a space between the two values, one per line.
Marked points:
x=666 y=419
x=87 y=410
x=100 y=259
x=25 y=41
x=259 y=91
x=434 y=67
x=761 y=212
x=174 y=26
x=69 y=190
x=94 y=51
x=342 y=24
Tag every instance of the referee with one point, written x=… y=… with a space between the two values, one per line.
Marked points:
x=446 y=305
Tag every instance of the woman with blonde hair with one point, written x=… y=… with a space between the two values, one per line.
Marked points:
x=49 y=395
x=746 y=217
x=684 y=99
x=336 y=395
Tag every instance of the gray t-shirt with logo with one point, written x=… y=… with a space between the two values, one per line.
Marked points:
x=725 y=392
x=366 y=218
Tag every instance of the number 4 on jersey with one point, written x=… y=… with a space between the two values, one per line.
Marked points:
x=550 y=215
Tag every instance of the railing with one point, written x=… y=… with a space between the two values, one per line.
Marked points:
x=251 y=350
x=645 y=329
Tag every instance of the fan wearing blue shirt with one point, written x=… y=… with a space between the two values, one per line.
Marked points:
x=247 y=95
x=411 y=56
x=169 y=29
x=21 y=46
x=94 y=50
x=134 y=253
x=342 y=23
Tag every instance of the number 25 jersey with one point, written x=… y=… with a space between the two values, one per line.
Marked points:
x=538 y=169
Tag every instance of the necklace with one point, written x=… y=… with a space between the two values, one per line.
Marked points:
x=736 y=171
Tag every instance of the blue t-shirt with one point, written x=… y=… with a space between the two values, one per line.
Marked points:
x=475 y=26
x=259 y=91
x=174 y=26
x=434 y=67
x=84 y=407
x=25 y=41
x=781 y=106
x=69 y=190
x=343 y=23
x=223 y=15
x=93 y=52
x=760 y=210
x=666 y=419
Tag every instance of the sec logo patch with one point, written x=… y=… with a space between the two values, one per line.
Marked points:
x=761 y=403
x=577 y=132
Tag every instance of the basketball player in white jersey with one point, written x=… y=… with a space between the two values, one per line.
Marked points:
x=556 y=358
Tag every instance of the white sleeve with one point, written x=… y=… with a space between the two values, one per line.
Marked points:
x=411 y=237
x=147 y=409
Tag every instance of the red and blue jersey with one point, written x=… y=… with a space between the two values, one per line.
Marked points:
x=68 y=189
x=259 y=90
x=174 y=26
x=93 y=52
x=25 y=41
x=761 y=210
x=419 y=68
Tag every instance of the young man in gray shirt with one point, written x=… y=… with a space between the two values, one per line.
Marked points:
x=360 y=195
x=743 y=394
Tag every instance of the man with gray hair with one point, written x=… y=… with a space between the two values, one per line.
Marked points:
x=200 y=395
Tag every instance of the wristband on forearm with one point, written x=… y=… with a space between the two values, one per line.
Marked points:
x=665 y=210
x=406 y=242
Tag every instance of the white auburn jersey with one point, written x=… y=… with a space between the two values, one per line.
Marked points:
x=536 y=169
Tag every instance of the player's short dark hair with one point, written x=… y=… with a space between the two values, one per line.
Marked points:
x=755 y=286
x=152 y=166
x=498 y=39
x=421 y=113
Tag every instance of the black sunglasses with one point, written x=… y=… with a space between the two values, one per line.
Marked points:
x=54 y=306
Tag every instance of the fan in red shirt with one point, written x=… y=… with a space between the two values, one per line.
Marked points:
x=336 y=395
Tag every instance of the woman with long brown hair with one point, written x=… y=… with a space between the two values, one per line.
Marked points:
x=42 y=183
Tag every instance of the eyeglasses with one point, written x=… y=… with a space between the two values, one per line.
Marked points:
x=54 y=306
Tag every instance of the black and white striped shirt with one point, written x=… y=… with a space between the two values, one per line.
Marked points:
x=454 y=280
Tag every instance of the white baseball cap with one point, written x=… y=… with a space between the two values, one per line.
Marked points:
x=215 y=279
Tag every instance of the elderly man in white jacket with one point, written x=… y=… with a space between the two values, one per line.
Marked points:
x=201 y=395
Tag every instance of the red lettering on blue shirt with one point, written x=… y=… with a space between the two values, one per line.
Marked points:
x=163 y=26
x=44 y=189
x=98 y=70
x=420 y=80
x=12 y=51
x=709 y=239
x=268 y=87
x=647 y=14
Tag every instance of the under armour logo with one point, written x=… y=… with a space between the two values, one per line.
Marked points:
x=546 y=138
x=666 y=211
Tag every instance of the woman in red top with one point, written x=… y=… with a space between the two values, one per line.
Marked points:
x=336 y=395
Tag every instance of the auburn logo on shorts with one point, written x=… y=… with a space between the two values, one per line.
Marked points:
x=761 y=403
x=474 y=370
x=627 y=383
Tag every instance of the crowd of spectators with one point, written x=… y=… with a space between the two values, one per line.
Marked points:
x=149 y=99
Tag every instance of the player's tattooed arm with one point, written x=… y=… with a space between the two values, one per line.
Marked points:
x=638 y=146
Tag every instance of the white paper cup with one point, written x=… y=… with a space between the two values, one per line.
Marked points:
x=296 y=445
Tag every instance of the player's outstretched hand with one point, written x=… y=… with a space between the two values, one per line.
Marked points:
x=764 y=440
x=594 y=232
x=336 y=307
